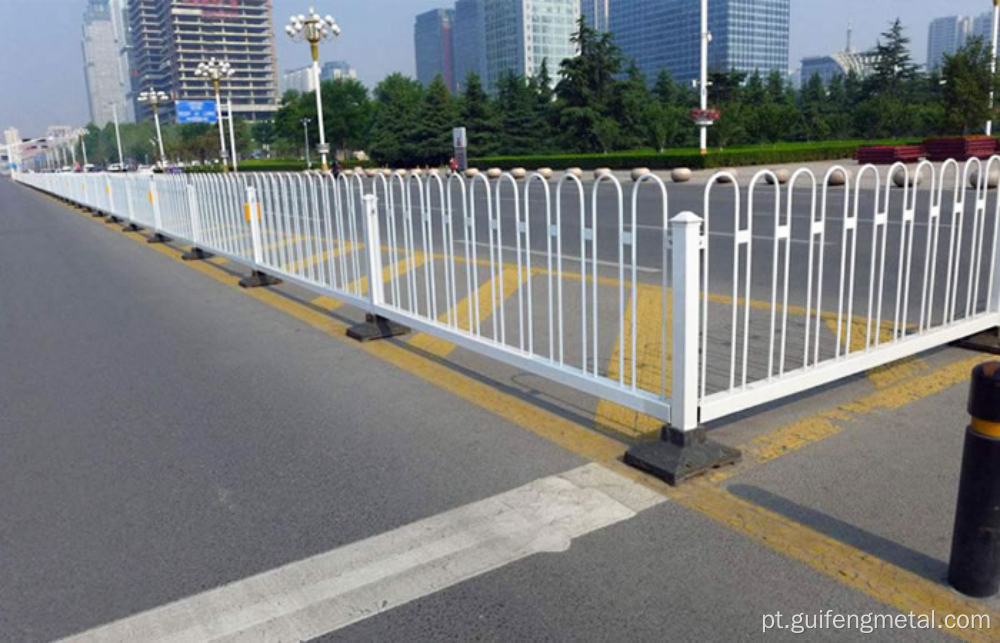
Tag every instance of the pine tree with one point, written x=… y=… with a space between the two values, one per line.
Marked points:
x=479 y=118
x=432 y=137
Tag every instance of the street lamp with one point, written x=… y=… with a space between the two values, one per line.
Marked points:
x=315 y=29
x=154 y=98
x=706 y=38
x=305 y=128
x=118 y=137
x=993 y=64
x=216 y=70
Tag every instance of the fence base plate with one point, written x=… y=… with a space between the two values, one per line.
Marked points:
x=680 y=455
x=97 y=214
x=112 y=219
x=196 y=254
x=376 y=327
x=258 y=279
x=987 y=341
x=158 y=238
x=131 y=228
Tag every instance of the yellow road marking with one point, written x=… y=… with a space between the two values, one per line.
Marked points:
x=649 y=367
x=882 y=376
x=361 y=285
x=315 y=259
x=802 y=433
x=484 y=302
x=847 y=565
x=859 y=570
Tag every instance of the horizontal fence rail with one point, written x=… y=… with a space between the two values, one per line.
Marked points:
x=774 y=289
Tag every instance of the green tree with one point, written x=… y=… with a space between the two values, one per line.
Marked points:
x=431 y=138
x=967 y=84
x=478 y=117
x=893 y=70
x=586 y=91
x=398 y=102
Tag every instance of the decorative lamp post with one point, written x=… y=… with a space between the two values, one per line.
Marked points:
x=154 y=99
x=217 y=70
x=314 y=29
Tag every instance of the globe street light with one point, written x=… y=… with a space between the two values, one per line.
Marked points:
x=216 y=70
x=315 y=29
x=154 y=98
x=305 y=127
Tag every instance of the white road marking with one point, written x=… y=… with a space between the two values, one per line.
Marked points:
x=330 y=591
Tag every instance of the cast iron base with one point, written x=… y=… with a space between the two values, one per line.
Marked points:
x=196 y=254
x=376 y=327
x=259 y=279
x=680 y=455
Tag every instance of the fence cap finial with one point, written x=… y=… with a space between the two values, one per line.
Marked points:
x=686 y=218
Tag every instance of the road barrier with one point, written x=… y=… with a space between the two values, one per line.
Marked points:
x=772 y=291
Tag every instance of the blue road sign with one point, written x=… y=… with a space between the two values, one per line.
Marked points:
x=196 y=111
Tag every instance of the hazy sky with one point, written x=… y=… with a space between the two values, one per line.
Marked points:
x=41 y=69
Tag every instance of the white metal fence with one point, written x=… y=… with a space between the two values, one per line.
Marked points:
x=776 y=290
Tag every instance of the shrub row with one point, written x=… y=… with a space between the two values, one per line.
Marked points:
x=273 y=165
x=786 y=153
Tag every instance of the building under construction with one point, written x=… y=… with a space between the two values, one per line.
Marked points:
x=170 y=37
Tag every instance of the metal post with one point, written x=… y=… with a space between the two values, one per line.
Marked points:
x=159 y=135
x=251 y=211
x=993 y=63
x=703 y=89
x=375 y=326
x=232 y=135
x=83 y=148
x=195 y=253
x=222 y=131
x=684 y=397
x=305 y=129
x=683 y=450
x=118 y=137
x=319 y=110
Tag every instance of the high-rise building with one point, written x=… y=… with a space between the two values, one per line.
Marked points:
x=300 y=80
x=596 y=12
x=981 y=26
x=468 y=33
x=337 y=70
x=433 y=45
x=747 y=35
x=170 y=38
x=103 y=71
x=521 y=34
x=946 y=36
x=841 y=63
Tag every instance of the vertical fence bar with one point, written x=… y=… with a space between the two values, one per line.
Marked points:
x=686 y=274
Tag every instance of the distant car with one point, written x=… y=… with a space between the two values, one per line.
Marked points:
x=115 y=167
x=144 y=169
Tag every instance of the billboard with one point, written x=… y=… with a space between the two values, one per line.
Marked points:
x=196 y=111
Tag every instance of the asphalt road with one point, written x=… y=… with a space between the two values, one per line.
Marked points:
x=164 y=435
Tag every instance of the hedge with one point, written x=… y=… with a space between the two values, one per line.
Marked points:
x=759 y=155
x=273 y=165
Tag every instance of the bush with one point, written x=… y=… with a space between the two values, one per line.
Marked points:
x=274 y=165
x=735 y=156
